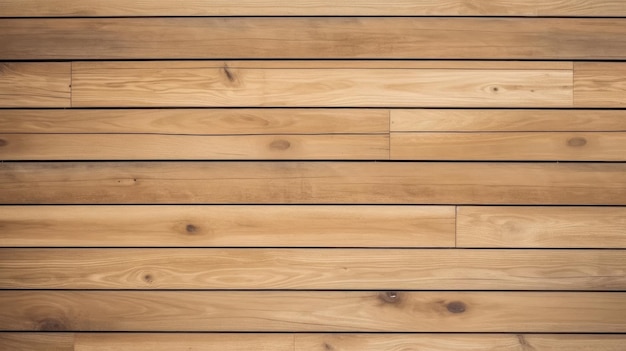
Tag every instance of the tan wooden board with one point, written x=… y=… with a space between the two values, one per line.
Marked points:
x=34 y=84
x=600 y=84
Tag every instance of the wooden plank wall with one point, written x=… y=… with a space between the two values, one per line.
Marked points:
x=361 y=175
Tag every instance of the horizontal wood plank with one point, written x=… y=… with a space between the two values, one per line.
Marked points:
x=196 y=121
x=193 y=147
x=360 y=269
x=542 y=227
x=227 y=226
x=34 y=84
x=313 y=311
x=192 y=84
x=494 y=120
x=600 y=84
x=332 y=37
x=509 y=146
x=37 y=341
x=69 y=8
x=311 y=182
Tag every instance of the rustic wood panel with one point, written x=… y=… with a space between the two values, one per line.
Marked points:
x=193 y=147
x=362 y=269
x=494 y=120
x=313 y=311
x=312 y=182
x=37 y=341
x=511 y=146
x=192 y=84
x=562 y=227
x=34 y=84
x=69 y=8
x=313 y=38
x=196 y=121
x=600 y=84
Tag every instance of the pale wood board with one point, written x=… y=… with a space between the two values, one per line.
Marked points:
x=37 y=341
x=600 y=84
x=34 y=84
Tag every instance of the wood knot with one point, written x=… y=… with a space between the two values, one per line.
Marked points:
x=390 y=297
x=494 y=89
x=3 y=142
x=148 y=278
x=456 y=307
x=328 y=347
x=576 y=142
x=51 y=324
x=280 y=145
x=231 y=77
x=191 y=229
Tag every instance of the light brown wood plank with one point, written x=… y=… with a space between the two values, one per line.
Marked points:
x=37 y=341
x=353 y=269
x=192 y=84
x=456 y=342
x=600 y=84
x=193 y=147
x=541 y=227
x=459 y=120
x=313 y=311
x=311 y=182
x=313 y=38
x=510 y=146
x=230 y=226
x=196 y=121
x=40 y=84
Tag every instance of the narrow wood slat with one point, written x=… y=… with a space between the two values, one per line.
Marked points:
x=542 y=227
x=34 y=84
x=509 y=146
x=362 y=269
x=70 y=8
x=192 y=84
x=313 y=311
x=37 y=341
x=196 y=121
x=313 y=37
x=600 y=84
x=494 y=120
x=193 y=147
x=311 y=182
x=227 y=226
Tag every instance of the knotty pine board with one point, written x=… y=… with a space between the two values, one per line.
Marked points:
x=34 y=84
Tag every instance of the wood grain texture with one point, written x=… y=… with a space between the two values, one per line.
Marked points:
x=313 y=311
x=313 y=38
x=193 y=147
x=494 y=120
x=509 y=146
x=196 y=121
x=311 y=182
x=541 y=227
x=72 y=8
x=192 y=84
x=34 y=84
x=37 y=341
x=352 y=269
x=600 y=84
x=227 y=226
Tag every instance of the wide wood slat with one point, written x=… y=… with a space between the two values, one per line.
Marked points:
x=227 y=226
x=501 y=120
x=362 y=269
x=313 y=38
x=34 y=84
x=313 y=311
x=311 y=182
x=196 y=121
x=509 y=146
x=600 y=84
x=193 y=147
x=192 y=84
x=70 y=8
x=541 y=227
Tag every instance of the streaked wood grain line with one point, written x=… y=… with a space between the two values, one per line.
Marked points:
x=34 y=84
x=331 y=37
x=312 y=182
x=37 y=341
x=196 y=121
x=347 y=269
x=542 y=227
x=509 y=146
x=313 y=311
x=228 y=226
x=600 y=84
x=191 y=84
x=494 y=120
x=193 y=147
